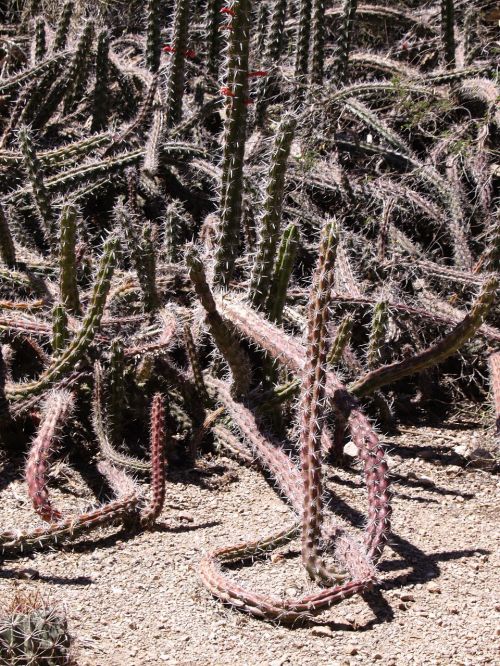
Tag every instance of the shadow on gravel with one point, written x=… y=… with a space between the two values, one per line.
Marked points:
x=33 y=574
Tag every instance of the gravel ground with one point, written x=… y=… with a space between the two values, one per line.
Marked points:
x=134 y=599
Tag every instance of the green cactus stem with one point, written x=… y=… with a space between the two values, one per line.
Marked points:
x=68 y=286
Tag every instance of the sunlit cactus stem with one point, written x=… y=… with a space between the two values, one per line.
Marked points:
x=340 y=341
x=343 y=48
x=287 y=253
x=153 y=510
x=269 y=227
x=7 y=248
x=79 y=69
x=312 y=405
x=153 y=35
x=60 y=332
x=232 y=187
x=67 y=260
x=378 y=333
x=223 y=337
x=100 y=98
x=176 y=70
x=62 y=30
x=448 y=31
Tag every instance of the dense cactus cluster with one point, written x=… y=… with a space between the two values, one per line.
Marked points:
x=211 y=209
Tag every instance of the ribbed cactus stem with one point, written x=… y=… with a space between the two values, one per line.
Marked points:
x=448 y=31
x=232 y=186
x=37 y=182
x=7 y=248
x=318 y=43
x=303 y=40
x=60 y=332
x=40 y=45
x=287 y=252
x=90 y=325
x=340 y=341
x=312 y=405
x=470 y=35
x=276 y=36
x=378 y=333
x=5 y=418
x=62 y=29
x=153 y=35
x=100 y=97
x=262 y=23
x=177 y=66
x=79 y=69
x=58 y=407
x=343 y=48
x=172 y=231
x=157 y=437
x=68 y=286
x=224 y=339
x=213 y=22
x=269 y=227
x=494 y=362
x=438 y=352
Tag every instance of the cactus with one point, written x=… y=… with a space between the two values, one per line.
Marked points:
x=213 y=22
x=60 y=333
x=37 y=182
x=33 y=633
x=78 y=70
x=340 y=341
x=40 y=41
x=269 y=229
x=448 y=31
x=234 y=142
x=151 y=513
x=343 y=47
x=67 y=260
x=176 y=70
x=318 y=43
x=153 y=35
x=287 y=252
x=58 y=407
x=62 y=30
x=101 y=92
x=7 y=248
x=302 y=41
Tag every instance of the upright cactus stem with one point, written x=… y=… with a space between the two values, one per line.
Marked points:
x=236 y=92
x=100 y=98
x=269 y=228
x=287 y=252
x=36 y=179
x=312 y=404
x=62 y=29
x=67 y=260
x=153 y=35
x=146 y=270
x=378 y=333
x=343 y=48
x=318 y=43
x=176 y=70
x=40 y=45
x=7 y=248
x=213 y=23
x=340 y=341
x=302 y=42
x=79 y=68
x=448 y=31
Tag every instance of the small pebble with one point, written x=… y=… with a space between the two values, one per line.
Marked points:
x=433 y=588
x=322 y=631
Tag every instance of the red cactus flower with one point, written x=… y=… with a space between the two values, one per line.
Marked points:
x=257 y=74
x=168 y=49
x=228 y=10
x=227 y=92
x=190 y=53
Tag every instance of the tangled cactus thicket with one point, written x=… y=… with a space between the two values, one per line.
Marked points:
x=211 y=209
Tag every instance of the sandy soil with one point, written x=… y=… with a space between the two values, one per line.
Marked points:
x=135 y=599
